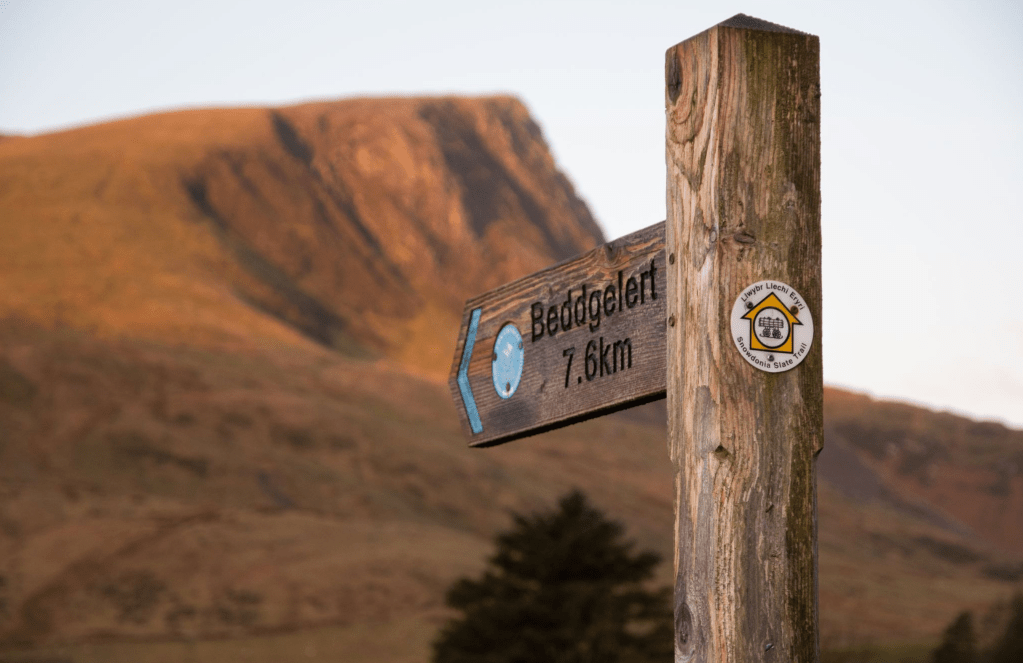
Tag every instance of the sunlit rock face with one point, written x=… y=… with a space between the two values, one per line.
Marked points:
x=355 y=224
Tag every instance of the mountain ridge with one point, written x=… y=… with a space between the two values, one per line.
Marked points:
x=289 y=209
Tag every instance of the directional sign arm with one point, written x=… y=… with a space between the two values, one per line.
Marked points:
x=593 y=341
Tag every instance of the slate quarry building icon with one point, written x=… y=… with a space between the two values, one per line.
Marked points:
x=771 y=325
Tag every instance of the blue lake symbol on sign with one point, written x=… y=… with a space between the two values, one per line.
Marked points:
x=507 y=361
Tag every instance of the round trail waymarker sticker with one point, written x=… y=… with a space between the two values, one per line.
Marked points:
x=772 y=326
x=508 y=359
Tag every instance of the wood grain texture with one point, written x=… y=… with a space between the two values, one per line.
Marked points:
x=743 y=199
x=549 y=394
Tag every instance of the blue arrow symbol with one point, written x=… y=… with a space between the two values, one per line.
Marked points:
x=463 y=375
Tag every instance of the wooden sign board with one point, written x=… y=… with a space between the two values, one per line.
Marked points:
x=573 y=341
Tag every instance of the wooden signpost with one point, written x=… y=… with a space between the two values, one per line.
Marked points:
x=743 y=158
x=719 y=308
x=582 y=338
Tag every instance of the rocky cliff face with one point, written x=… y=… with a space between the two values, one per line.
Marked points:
x=361 y=225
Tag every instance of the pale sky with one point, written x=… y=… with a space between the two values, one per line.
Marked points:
x=922 y=133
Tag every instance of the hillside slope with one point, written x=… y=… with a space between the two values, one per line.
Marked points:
x=156 y=494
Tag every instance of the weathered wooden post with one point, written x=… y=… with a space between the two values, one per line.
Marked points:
x=744 y=384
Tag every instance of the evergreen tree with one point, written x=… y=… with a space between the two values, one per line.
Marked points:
x=563 y=587
x=959 y=644
x=1009 y=648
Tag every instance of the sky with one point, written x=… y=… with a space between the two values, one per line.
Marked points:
x=921 y=133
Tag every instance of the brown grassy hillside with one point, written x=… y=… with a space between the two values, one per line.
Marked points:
x=224 y=433
x=187 y=493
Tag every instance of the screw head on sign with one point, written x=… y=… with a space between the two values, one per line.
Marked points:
x=770 y=357
x=749 y=305
x=794 y=310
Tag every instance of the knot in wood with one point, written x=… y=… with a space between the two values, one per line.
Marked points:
x=611 y=251
x=673 y=76
x=685 y=645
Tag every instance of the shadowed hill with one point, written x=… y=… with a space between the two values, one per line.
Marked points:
x=963 y=474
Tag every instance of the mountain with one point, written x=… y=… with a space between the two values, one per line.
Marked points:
x=357 y=225
x=224 y=428
x=958 y=473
